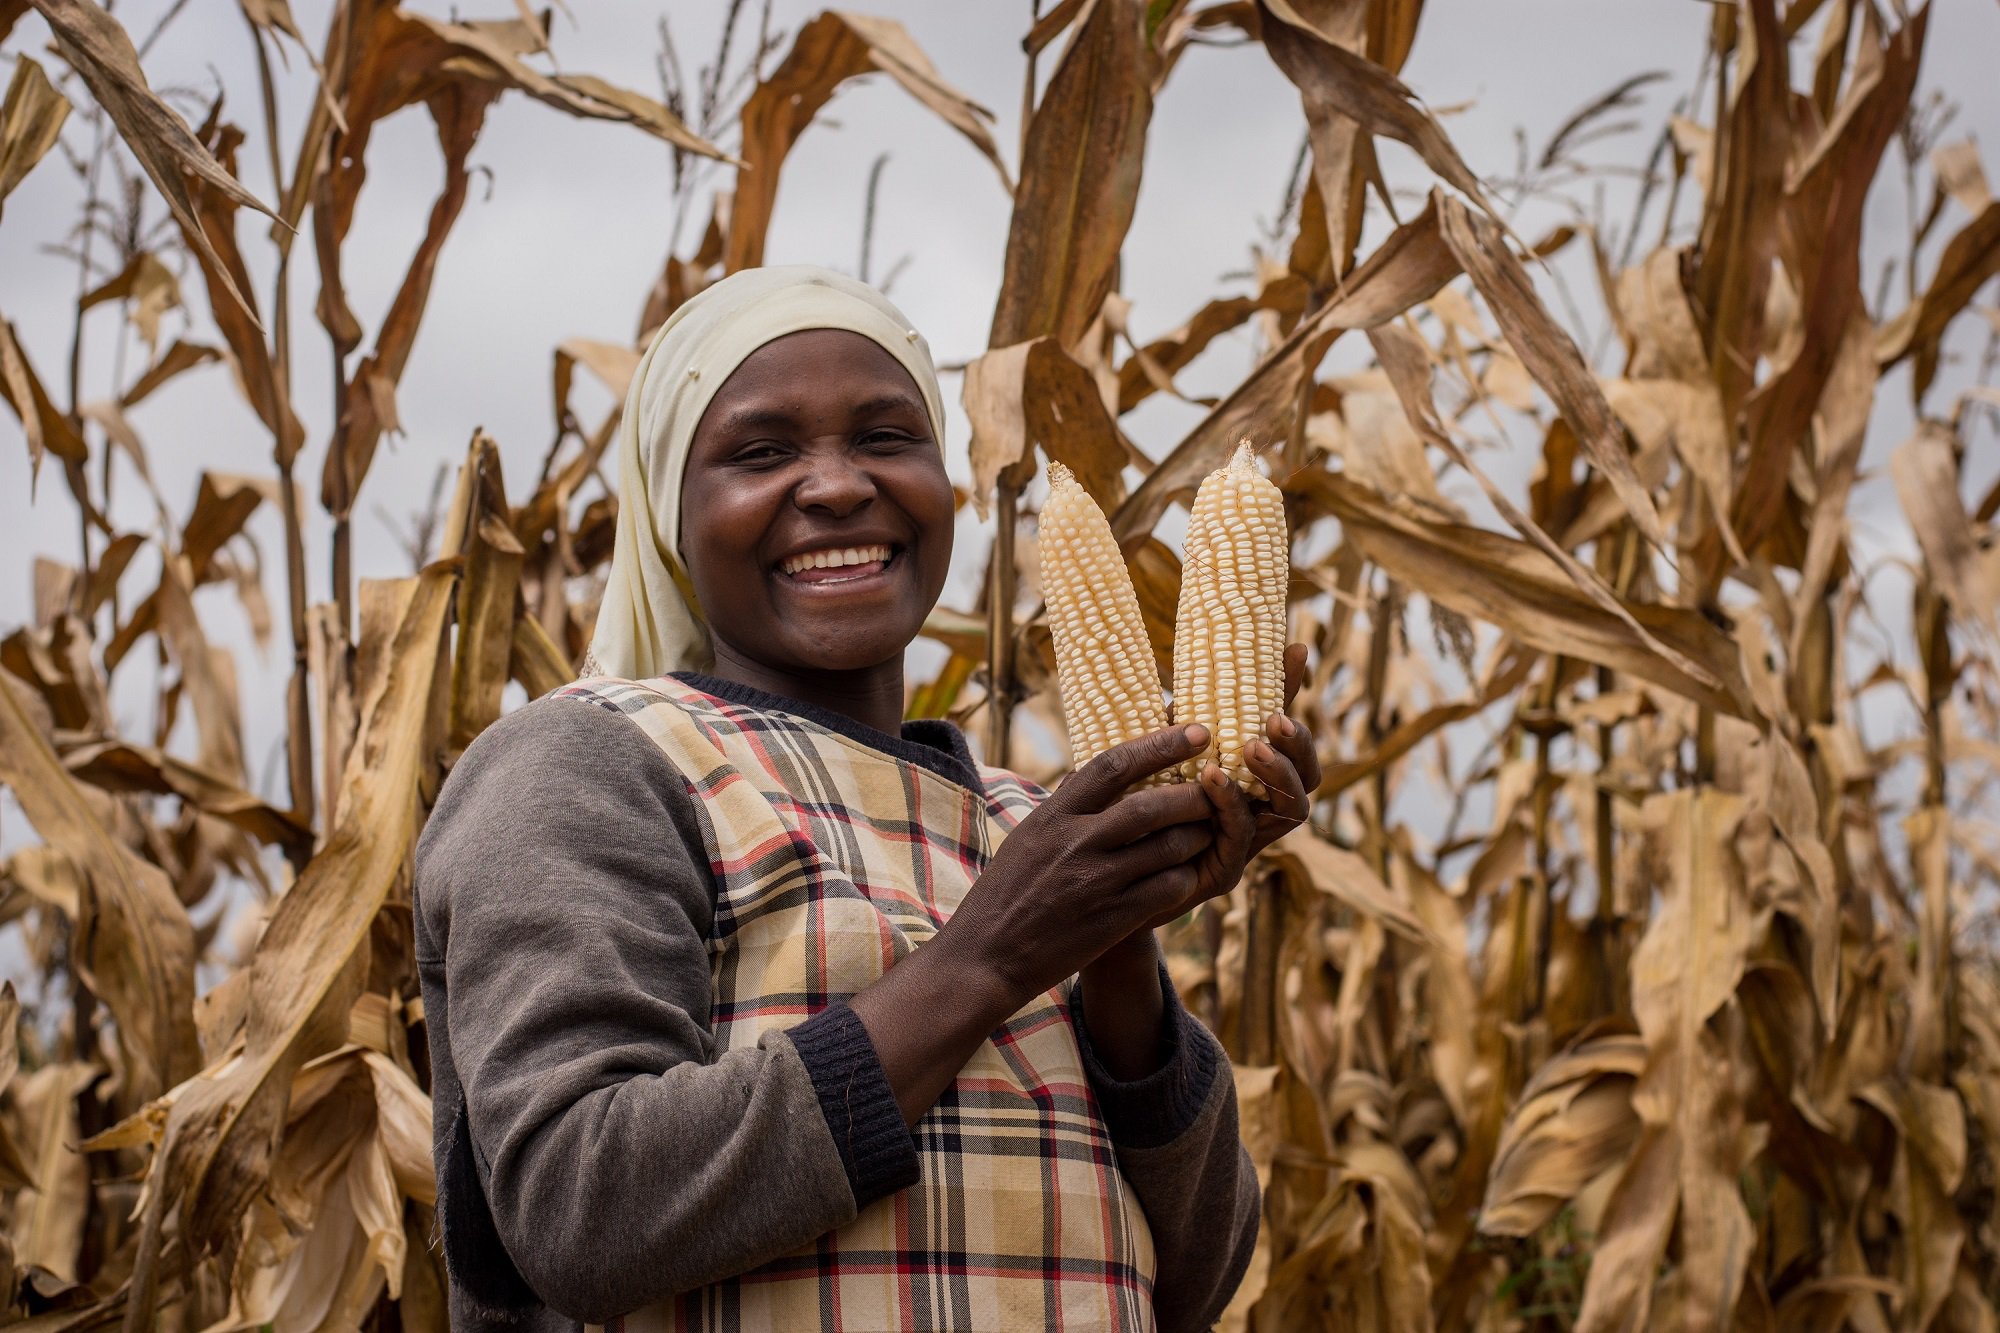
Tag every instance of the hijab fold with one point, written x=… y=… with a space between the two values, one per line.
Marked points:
x=649 y=622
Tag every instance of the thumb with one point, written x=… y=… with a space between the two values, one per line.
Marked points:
x=1104 y=779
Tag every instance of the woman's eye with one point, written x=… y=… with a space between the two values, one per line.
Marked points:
x=887 y=439
x=761 y=453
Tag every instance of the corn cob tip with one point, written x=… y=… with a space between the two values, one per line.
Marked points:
x=1060 y=475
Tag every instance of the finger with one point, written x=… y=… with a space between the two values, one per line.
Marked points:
x=1295 y=743
x=1166 y=895
x=1101 y=781
x=1146 y=811
x=1169 y=847
x=1295 y=671
x=1235 y=821
x=1286 y=791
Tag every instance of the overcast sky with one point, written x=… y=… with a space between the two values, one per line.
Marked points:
x=567 y=227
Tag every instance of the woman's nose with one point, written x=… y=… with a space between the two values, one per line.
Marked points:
x=835 y=483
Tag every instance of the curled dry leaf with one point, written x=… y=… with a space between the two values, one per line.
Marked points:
x=30 y=121
x=1036 y=393
x=48 y=1221
x=47 y=430
x=136 y=946
x=1573 y=1122
x=1969 y=259
x=828 y=51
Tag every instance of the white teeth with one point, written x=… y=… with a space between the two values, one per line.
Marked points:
x=835 y=558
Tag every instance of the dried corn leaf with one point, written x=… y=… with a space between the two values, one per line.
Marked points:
x=1683 y=1177
x=1408 y=269
x=135 y=946
x=1573 y=1122
x=98 y=49
x=1963 y=559
x=207 y=680
x=414 y=53
x=478 y=531
x=1820 y=238
x=1970 y=258
x=1080 y=171
x=121 y=766
x=1509 y=583
x=1335 y=83
x=1739 y=233
x=1316 y=864
x=1407 y=360
x=14 y=1172
x=1036 y=393
x=182 y=356
x=148 y=284
x=30 y=121
x=831 y=49
x=535 y=661
x=1151 y=368
x=225 y=271
x=1548 y=353
x=47 y=430
x=1960 y=175
x=48 y=1219
x=310 y=962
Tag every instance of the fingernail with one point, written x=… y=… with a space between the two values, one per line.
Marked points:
x=1287 y=727
x=1197 y=734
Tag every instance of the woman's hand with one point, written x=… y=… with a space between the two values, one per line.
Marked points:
x=1093 y=863
x=1087 y=868
x=1123 y=1003
x=1288 y=767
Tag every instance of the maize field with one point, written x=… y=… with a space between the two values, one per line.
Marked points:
x=1638 y=968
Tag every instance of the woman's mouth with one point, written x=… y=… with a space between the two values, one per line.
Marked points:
x=837 y=565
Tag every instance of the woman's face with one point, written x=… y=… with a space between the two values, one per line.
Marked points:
x=816 y=517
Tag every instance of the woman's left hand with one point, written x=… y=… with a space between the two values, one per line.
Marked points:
x=1287 y=765
x=1125 y=1001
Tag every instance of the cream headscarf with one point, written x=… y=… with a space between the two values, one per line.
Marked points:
x=648 y=623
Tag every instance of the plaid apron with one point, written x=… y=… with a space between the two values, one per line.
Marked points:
x=831 y=861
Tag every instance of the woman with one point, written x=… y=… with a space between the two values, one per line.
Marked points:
x=742 y=1012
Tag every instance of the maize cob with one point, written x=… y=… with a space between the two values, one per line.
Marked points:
x=1105 y=671
x=1229 y=630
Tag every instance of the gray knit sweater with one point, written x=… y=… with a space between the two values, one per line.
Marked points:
x=595 y=1155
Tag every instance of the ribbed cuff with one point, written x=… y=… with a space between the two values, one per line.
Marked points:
x=1159 y=1108
x=876 y=1147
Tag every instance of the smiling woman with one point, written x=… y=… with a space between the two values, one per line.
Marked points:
x=753 y=1005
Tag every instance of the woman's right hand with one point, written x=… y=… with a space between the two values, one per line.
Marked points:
x=1096 y=861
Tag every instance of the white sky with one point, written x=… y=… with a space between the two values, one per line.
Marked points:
x=572 y=232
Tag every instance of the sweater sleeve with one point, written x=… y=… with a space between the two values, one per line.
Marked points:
x=1174 y=1131
x=562 y=928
